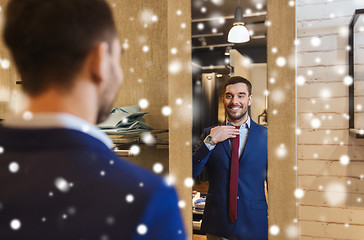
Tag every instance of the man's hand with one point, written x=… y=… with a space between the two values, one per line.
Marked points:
x=221 y=133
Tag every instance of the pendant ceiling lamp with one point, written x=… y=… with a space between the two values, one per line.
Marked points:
x=227 y=51
x=238 y=33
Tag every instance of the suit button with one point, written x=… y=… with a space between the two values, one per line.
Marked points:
x=237 y=197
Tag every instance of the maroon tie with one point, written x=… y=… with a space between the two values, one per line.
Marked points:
x=234 y=176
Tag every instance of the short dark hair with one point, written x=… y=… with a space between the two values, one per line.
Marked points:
x=50 y=39
x=238 y=79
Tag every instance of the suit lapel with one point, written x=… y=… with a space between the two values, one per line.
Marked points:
x=226 y=145
x=250 y=139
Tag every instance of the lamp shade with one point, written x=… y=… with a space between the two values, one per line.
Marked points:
x=238 y=33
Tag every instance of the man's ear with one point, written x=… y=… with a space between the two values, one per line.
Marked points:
x=250 y=100
x=97 y=62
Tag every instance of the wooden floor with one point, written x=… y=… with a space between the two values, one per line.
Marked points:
x=201 y=187
x=199 y=237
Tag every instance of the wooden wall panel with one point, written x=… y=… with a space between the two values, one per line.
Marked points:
x=281 y=120
x=333 y=203
x=163 y=77
x=11 y=99
x=180 y=101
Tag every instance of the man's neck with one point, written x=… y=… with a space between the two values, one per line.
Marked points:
x=240 y=121
x=77 y=102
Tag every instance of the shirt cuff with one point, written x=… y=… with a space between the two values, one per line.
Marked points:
x=209 y=146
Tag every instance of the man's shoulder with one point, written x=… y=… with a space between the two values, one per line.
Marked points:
x=53 y=139
x=143 y=177
x=258 y=126
x=78 y=152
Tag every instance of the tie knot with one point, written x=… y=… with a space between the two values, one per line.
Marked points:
x=237 y=127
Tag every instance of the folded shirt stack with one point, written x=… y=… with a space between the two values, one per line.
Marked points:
x=125 y=121
x=199 y=204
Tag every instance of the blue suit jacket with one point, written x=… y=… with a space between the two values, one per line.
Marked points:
x=95 y=206
x=252 y=222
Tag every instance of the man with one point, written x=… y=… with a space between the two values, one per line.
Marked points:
x=58 y=177
x=236 y=159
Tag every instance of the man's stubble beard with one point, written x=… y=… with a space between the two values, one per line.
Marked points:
x=237 y=118
x=106 y=103
x=103 y=112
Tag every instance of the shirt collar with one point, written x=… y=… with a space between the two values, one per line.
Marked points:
x=247 y=122
x=57 y=120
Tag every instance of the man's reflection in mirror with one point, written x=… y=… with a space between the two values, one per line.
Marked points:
x=235 y=155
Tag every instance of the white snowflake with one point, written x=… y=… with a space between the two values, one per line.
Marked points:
x=315 y=123
x=315 y=41
x=170 y=180
x=158 y=168
x=5 y=63
x=27 y=115
x=299 y=193
x=110 y=220
x=218 y=2
x=174 y=51
x=148 y=138
x=200 y=26
x=14 y=167
x=143 y=103
x=344 y=160
x=292 y=231
x=166 y=110
x=15 y=224
x=179 y=101
x=189 y=182
x=104 y=237
x=145 y=48
x=142 y=229
x=181 y=204
x=62 y=184
x=281 y=151
x=274 y=230
x=335 y=194
x=129 y=198
x=175 y=67
x=134 y=150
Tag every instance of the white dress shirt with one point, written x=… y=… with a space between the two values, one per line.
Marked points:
x=243 y=133
x=57 y=120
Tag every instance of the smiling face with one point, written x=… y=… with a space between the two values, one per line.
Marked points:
x=236 y=100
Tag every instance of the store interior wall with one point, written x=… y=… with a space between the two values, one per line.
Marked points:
x=318 y=153
x=151 y=72
x=330 y=160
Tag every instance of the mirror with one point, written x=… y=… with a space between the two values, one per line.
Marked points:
x=356 y=73
x=214 y=60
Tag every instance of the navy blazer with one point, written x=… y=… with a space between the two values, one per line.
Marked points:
x=103 y=197
x=252 y=221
